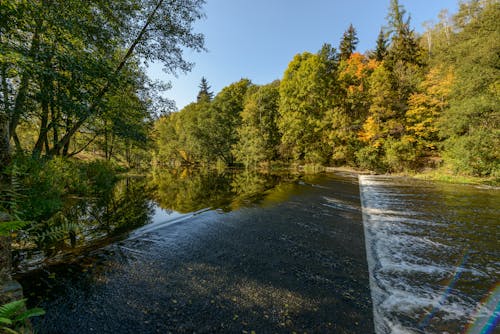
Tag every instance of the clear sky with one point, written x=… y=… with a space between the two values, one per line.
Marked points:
x=256 y=39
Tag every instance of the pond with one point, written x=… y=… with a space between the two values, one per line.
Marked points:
x=235 y=252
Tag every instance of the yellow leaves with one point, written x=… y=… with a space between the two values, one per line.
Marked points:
x=370 y=130
x=426 y=105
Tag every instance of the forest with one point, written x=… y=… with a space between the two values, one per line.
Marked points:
x=74 y=85
x=77 y=109
x=415 y=102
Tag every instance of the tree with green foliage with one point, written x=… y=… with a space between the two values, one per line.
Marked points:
x=348 y=43
x=221 y=120
x=180 y=136
x=471 y=125
x=204 y=94
x=404 y=56
x=258 y=135
x=74 y=54
x=305 y=96
x=404 y=46
x=381 y=47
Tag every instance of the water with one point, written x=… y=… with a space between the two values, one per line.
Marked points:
x=186 y=251
x=221 y=253
x=433 y=254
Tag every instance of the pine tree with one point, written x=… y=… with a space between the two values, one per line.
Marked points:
x=204 y=94
x=381 y=49
x=404 y=46
x=348 y=43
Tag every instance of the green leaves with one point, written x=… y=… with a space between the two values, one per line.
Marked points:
x=304 y=98
x=8 y=227
x=13 y=315
x=470 y=125
x=258 y=136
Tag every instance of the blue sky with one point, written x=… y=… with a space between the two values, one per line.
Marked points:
x=256 y=39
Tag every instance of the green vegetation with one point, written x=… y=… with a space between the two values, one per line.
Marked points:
x=415 y=103
x=13 y=317
x=73 y=84
x=72 y=79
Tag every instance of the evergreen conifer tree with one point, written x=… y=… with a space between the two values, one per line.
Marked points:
x=204 y=94
x=348 y=43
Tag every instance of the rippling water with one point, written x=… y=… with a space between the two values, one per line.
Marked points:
x=433 y=255
x=239 y=251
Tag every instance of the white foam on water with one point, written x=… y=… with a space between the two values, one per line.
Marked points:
x=404 y=281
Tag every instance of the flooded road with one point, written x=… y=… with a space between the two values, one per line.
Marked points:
x=281 y=259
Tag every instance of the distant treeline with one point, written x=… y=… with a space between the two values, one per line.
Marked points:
x=416 y=101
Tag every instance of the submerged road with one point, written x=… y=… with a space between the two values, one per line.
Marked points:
x=294 y=263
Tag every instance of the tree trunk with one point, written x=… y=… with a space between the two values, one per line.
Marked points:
x=5 y=256
x=42 y=136
x=22 y=93
x=92 y=108
x=4 y=143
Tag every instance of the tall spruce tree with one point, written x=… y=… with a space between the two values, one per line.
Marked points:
x=204 y=94
x=348 y=43
x=404 y=46
x=381 y=48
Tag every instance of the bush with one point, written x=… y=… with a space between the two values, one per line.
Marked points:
x=44 y=184
x=474 y=154
x=400 y=155
x=368 y=157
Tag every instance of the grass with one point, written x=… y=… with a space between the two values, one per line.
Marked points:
x=445 y=175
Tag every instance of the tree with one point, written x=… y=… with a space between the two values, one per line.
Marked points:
x=403 y=60
x=404 y=46
x=181 y=137
x=204 y=94
x=221 y=120
x=381 y=48
x=381 y=121
x=348 y=43
x=471 y=124
x=425 y=107
x=258 y=135
x=352 y=97
x=74 y=54
x=305 y=96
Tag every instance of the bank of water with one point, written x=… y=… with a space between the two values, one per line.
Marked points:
x=433 y=255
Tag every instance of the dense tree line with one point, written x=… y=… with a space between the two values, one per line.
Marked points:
x=415 y=101
x=71 y=73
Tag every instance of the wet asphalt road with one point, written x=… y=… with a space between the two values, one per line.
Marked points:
x=297 y=265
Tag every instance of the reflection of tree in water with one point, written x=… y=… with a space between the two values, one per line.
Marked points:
x=191 y=190
x=88 y=222
x=126 y=208
x=251 y=186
